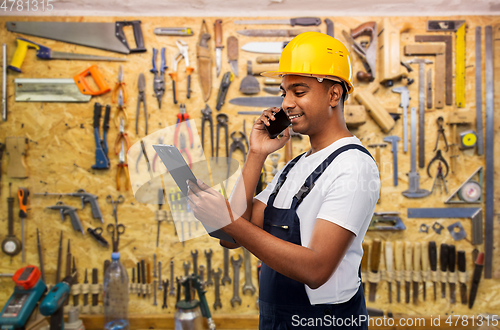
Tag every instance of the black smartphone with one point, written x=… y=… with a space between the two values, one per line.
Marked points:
x=180 y=172
x=278 y=125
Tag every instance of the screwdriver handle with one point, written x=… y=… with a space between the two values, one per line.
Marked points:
x=398 y=256
x=22 y=194
x=417 y=249
x=443 y=257
x=408 y=255
x=433 y=255
x=425 y=257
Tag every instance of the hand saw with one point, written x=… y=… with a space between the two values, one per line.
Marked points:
x=107 y=36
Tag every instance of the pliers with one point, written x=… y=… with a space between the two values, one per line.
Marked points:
x=183 y=53
x=207 y=116
x=141 y=85
x=120 y=108
x=183 y=116
x=238 y=144
x=160 y=141
x=120 y=85
x=121 y=136
x=440 y=121
x=159 y=81
x=122 y=166
x=184 y=149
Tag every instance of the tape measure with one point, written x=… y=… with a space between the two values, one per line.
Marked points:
x=471 y=192
x=468 y=139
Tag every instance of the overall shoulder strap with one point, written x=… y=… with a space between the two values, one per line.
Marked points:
x=311 y=179
x=283 y=175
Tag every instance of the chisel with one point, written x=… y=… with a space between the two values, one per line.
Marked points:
x=417 y=278
x=364 y=264
x=75 y=292
x=95 y=296
x=462 y=276
x=59 y=260
x=138 y=279
x=398 y=258
x=425 y=266
x=374 y=267
x=408 y=270
x=452 y=275
x=143 y=276
x=433 y=265
x=389 y=273
x=476 y=277
x=443 y=260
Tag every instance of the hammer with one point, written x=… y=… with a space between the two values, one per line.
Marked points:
x=377 y=158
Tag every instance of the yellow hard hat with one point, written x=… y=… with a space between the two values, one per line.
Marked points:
x=316 y=55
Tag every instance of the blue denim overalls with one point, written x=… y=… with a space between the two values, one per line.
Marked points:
x=283 y=302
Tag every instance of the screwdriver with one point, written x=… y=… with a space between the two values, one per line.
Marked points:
x=22 y=194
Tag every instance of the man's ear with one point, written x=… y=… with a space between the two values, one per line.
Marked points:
x=335 y=95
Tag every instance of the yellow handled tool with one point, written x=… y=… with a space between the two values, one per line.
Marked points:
x=46 y=53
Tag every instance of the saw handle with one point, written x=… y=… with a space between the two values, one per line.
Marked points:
x=365 y=29
x=139 y=39
x=21 y=51
x=84 y=87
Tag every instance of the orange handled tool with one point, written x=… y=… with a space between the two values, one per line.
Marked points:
x=84 y=87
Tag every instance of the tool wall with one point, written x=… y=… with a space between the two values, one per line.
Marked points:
x=57 y=149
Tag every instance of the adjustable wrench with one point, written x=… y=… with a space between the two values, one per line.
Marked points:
x=248 y=286
x=226 y=277
x=236 y=284
x=216 y=275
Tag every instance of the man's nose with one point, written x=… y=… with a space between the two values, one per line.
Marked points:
x=288 y=103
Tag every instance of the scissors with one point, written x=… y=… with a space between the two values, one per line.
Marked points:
x=119 y=229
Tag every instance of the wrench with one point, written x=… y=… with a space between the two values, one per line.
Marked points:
x=172 y=288
x=186 y=266
x=201 y=269
x=217 y=303
x=236 y=283
x=160 y=285
x=248 y=286
x=226 y=277
x=208 y=255
x=195 y=261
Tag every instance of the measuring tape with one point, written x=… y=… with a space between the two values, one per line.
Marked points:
x=460 y=67
x=468 y=139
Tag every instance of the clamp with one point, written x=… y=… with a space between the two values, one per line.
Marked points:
x=439 y=157
x=182 y=54
x=120 y=108
x=207 y=116
x=184 y=149
x=120 y=85
x=182 y=116
x=238 y=144
x=222 y=120
x=440 y=121
x=121 y=136
x=159 y=81
x=122 y=166
x=141 y=85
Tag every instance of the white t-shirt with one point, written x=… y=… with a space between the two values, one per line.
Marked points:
x=345 y=194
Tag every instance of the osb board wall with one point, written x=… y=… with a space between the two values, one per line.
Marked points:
x=61 y=152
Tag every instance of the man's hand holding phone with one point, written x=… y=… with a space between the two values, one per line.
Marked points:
x=272 y=120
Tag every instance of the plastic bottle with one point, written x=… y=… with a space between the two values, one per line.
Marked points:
x=116 y=295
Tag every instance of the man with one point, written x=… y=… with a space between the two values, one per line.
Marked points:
x=308 y=225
